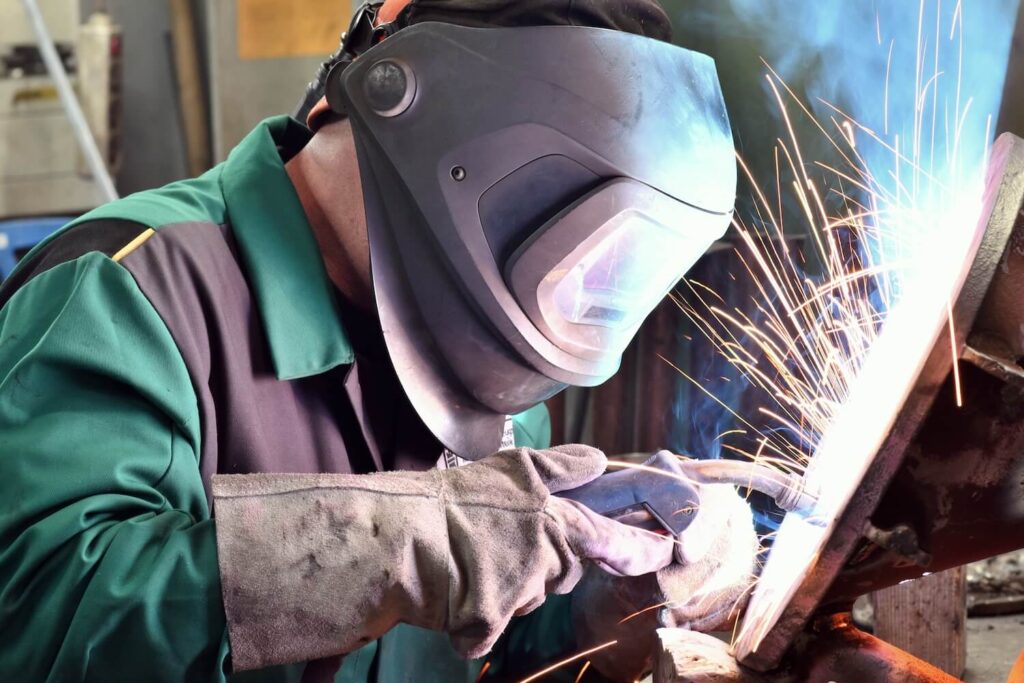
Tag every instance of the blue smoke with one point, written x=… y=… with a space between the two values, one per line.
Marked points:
x=839 y=51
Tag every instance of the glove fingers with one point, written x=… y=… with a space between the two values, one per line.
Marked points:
x=708 y=611
x=694 y=543
x=567 y=467
x=709 y=592
x=608 y=569
x=720 y=506
x=621 y=549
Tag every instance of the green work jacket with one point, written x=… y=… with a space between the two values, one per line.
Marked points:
x=158 y=340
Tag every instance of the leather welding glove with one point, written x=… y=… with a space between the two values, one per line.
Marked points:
x=314 y=566
x=703 y=590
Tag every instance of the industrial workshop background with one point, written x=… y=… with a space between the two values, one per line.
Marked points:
x=184 y=81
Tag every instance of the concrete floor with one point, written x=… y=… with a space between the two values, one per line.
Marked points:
x=993 y=644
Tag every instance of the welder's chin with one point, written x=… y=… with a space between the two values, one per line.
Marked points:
x=590 y=279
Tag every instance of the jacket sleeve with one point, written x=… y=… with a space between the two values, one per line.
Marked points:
x=108 y=567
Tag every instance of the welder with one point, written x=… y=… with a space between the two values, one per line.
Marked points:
x=255 y=423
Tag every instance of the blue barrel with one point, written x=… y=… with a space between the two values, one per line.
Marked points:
x=17 y=237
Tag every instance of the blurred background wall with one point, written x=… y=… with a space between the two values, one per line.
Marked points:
x=154 y=151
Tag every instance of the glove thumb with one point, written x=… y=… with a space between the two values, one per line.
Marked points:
x=563 y=468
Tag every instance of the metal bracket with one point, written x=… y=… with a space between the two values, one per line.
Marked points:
x=982 y=352
x=900 y=540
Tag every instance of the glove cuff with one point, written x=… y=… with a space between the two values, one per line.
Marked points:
x=314 y=566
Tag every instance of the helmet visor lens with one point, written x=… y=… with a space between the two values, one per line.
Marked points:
x=596 y=271
x=622 y=277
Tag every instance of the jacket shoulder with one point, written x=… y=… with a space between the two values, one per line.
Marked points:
x=196 y=200
x=110 y=228
x=105 y=236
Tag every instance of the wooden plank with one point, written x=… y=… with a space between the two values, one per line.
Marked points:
x=191 y=96
x=927 y=618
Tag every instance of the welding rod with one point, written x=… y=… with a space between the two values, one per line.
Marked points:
x=788 y=491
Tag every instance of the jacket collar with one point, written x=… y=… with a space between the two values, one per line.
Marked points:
x=293 y=293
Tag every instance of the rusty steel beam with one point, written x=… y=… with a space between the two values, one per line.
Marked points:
x=835 y=650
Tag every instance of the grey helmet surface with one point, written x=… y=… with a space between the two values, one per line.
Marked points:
x=498 y=165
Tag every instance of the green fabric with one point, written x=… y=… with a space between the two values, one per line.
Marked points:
x=274 y=237
x=108 y=567
x=252 y=191
x=532 y=428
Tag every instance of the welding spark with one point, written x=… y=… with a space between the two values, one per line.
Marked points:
x=645 y=610
x=567 y=660
x=888 y=224
x=833 y=315
x=806 y=345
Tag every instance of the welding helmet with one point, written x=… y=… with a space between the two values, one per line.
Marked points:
x=531 y=194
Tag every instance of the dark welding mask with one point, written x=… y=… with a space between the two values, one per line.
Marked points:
x=531 y=194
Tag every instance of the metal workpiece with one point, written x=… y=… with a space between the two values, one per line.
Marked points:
x=833 y=649
x=958 y=490
x=941 y=483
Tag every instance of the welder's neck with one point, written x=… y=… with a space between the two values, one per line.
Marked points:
x=325 y=174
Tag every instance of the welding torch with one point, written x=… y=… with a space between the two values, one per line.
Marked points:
x=663 y=493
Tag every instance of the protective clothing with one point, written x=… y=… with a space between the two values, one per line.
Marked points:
x=531 y=194
x=703 y=593
x=216 y=346
x=318 y=565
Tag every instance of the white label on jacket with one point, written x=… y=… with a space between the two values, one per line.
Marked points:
x=448 y=460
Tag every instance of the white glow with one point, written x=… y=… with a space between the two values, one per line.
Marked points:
x=912 y=329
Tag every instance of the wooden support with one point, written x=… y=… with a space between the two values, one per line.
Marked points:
x=191 y=97
x=927 y=618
